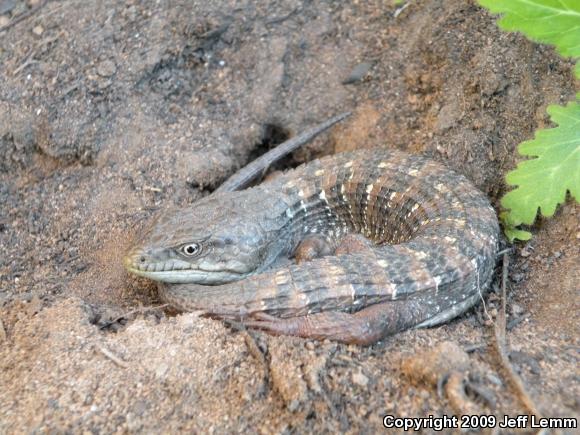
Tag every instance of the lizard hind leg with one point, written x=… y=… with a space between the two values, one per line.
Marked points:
x=364 y=327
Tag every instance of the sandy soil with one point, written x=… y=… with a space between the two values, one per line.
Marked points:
x=111 y=110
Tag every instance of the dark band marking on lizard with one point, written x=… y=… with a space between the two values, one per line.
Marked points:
x=434 y=239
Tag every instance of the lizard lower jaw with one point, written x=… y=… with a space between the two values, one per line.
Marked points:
x=189 y=276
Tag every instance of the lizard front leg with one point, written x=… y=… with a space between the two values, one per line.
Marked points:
x=316 y=246
x=364 y=327
x=311 y=247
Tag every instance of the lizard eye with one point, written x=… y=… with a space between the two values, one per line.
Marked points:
x=191 y=249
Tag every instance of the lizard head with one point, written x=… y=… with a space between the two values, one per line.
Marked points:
x=219 y=239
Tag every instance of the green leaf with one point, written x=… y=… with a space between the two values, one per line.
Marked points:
x=555 y=22
x=542 y=182
x=513 y=234
x=510 y=230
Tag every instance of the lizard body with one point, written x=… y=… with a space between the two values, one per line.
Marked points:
x=434 y=240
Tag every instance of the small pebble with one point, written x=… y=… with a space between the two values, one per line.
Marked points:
x=517 y=309
x=525 y=252
x=362 y=411
x=494 y=379
x=38 y=30
x=161 y=370
x=106 y=68
x=358 y=73
x=360 y=379
x=441 y=150
x=4 y=20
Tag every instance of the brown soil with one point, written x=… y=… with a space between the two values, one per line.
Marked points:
x=112 y=110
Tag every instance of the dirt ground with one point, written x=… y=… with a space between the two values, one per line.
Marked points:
x=112 y=110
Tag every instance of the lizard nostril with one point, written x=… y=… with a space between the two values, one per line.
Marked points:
x=142 y=259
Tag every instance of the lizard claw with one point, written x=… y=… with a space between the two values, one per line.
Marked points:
x=272 y=325
x=265 y=317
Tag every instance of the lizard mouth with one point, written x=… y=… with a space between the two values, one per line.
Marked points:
x=178 y=272
x=174 y=276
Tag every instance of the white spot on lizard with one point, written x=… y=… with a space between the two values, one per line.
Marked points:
x=437 y=280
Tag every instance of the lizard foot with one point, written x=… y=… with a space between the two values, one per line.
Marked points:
x=364 y=327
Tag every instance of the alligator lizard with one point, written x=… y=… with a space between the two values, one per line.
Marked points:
x=432 y=240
